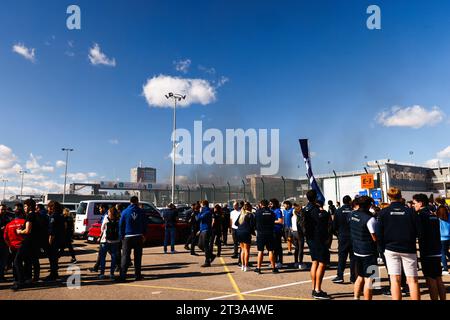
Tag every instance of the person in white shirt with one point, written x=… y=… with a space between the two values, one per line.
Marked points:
x=234 y=215
x=109 y=241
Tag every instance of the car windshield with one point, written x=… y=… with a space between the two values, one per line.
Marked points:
x=82 y=208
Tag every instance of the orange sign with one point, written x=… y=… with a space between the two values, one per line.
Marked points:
x=367 y=181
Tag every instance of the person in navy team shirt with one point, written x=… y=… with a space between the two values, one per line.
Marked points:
x=274 y=204
x=205 y=220
x=430 y=247
x=132 y=228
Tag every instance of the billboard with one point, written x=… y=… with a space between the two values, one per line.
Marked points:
x=408 y=178
x=125 y=185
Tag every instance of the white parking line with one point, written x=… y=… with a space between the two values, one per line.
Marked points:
x=271 y=288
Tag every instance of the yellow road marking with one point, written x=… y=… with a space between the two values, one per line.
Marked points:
x=210 y=291
x=230 y=277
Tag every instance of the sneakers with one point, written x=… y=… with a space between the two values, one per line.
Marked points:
x=337 y=280
x=296 y=265
x=245 y=269
x=387 y=292
x=186 y=247
x=138 y=278
x=16 y=286
x=445 y=273
x=93 y=269
x=101 y=276
x=303 y=266
x=173 y=252
x=257 y=270
x=279 y=265
x=194 y=254
x=205 y=265
x=321 y=295
x=213 y=257
x=112 y=277
x=51 y=278
x=74 y=261
x=275 y=270
x=380 y=261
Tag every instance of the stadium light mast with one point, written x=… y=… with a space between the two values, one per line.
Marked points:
x=4 y=188
x=22 y=173
x=176 y=97
x=67 y=150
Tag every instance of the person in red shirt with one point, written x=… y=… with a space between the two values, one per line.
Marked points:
x=14 y=240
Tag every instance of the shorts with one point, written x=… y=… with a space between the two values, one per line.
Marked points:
x=244 y=237
x=431 y=267
x=366 y=266
x=318 y=251
x=287 y=233
x=395 y=261
x=265 y=241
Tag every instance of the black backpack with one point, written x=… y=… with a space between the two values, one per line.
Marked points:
x=112 y=230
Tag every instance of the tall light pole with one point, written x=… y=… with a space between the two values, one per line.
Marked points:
x=22 y=173
x=4 y=188
x=176 y=97
x=67 y=150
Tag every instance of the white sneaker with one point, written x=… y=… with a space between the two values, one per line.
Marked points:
x=297 y=265
x=303 y=266
x=380 y=261
x=445 y=273
x=242 y=268
x=245 y=269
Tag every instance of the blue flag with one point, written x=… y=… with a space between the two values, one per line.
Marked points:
x=309 y=174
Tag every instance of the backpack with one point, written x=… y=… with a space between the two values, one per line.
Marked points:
x=112 y=230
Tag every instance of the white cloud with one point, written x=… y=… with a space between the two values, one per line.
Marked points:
x=97 y=57
x=432 y=163
x=207 y=70
x=25 y=52
x=444 y=154
x=7 y=158
x=113 y=141
x=222 y=81
x=33 y=165
x=413 y=117
x=81 y=177
x=60 y=164
x=182 y=65
x=196 y=91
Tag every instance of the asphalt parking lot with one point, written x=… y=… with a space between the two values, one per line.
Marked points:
x=179 y=277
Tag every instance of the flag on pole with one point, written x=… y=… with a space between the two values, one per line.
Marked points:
x=309 y=173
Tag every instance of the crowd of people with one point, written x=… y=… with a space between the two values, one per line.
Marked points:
x=368 y=235
x=29 y=232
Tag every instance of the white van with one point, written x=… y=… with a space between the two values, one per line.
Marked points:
x=88 y=213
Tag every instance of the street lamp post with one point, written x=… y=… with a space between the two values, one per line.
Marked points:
x=22 y=173
x=4 y=188
x=284 y=187
x=67 y=150
x=176 y=97
x=243 y=183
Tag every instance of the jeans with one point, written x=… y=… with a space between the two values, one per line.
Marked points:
x=215 y=239
x=204 y=244
x=278 y=249
x=22 y=261
x=112 y=249
x=169 y=232
x=53 y=253
x=445 y=244
x=4 y=252
x=136 y=244
x=344 y=250
x=299 y=245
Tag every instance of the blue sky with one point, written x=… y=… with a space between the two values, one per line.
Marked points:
x=310 y=68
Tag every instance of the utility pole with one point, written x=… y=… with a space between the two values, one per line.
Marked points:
x=67 y=150
x=176 y=97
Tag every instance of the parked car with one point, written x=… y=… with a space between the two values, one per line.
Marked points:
x=88 y=213
x=154 y=234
